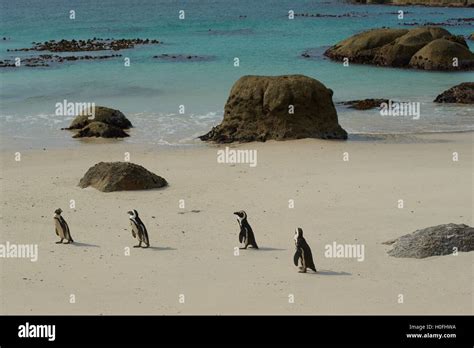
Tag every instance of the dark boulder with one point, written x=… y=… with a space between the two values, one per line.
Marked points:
x=433 y=241
x=399 y=52
x=101 y=114
x=261 y=108
x=440 y=54
x=121 y=176
x=365 y=104
x=100 y=129
x=462 y=93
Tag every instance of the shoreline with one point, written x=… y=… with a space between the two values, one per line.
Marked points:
x=352 y=137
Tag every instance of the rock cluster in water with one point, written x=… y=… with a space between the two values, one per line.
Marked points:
x=261 y=108
x=434 y=3
x=451 y=22
x=95 y=44
x=44 y=60
x=322 y=15
x=428 y=48
x=100 y=129
x=120 y=176
x=183 y=57
x=104 y=122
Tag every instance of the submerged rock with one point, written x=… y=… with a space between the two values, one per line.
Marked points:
x=45 y=60
x=433 y=241
x=101 y=114
x=429 y=48
x=365 y=104
x=261 y=108
x=462 y=93
x=434 y=3
x=121 y=176
x=183 y=58
x=100 y=129
x=325 y=15
x=95 y=44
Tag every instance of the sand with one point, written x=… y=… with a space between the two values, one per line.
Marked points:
x=192 y=254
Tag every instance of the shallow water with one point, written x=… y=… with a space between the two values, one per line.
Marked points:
x=150 y=91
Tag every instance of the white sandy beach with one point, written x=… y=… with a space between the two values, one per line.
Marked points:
x=348 y=202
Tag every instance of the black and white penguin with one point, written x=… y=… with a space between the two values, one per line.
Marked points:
x=138 y=229
x=303 y=253
x=246 y=233
x=62 y=228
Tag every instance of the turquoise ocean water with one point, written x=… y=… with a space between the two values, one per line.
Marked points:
x=259 y=33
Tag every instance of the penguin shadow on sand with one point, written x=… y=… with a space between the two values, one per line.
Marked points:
x=84 y=245
x=270 y=249
x=327 y=272
x=155 y=248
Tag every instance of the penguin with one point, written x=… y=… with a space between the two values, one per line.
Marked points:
x=246 y=233
x=303 y=253
x=138 y=229
x=62 y=228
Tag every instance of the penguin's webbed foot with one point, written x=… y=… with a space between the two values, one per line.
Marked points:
x=60 y=242
x=137 y=246
x=146 y=246
x=302 y=271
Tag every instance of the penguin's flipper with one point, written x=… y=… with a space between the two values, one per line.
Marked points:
x=241 y=236
x=297 y=256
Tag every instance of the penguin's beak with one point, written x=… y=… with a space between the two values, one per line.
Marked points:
x=129 y=213
x=236 y=213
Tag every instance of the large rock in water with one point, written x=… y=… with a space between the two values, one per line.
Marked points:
x=429 y=48
x=363 y=47
x=102 y=114
x=121 y=176
x=100 y=129
x=440 y=54
x=462 y=93
x=433 y=241
x=399 y=52
x=259 y=108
